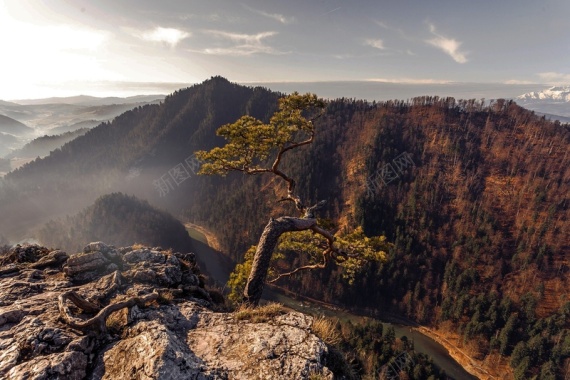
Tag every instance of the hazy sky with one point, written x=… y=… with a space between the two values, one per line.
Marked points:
x=67 y=47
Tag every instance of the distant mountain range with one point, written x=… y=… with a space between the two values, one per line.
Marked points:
x=556 y=93
x=551 y=102
x=13 y=127
x=46 y=114
x=42 y=146
x=26 y=119
x=85 y=100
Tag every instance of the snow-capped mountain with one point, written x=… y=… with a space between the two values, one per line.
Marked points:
x=556 y=94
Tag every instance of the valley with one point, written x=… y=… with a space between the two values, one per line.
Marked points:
x=218 y=267
x=477 y=210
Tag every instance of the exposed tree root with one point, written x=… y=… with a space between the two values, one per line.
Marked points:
x=98 y=321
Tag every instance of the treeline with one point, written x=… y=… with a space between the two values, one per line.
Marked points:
x=372 y=351
x=120 y=220
x=474 y=195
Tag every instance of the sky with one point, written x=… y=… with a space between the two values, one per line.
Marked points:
x=127 y=47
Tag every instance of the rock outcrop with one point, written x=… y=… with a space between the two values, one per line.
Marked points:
x=136 y=313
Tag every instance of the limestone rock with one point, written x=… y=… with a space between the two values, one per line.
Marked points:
x=179 y=337
x=86 y=266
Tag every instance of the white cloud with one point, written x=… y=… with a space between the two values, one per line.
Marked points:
x=168 y=36
x=409 y=81
x=243 y=44
x=554 y=78
x=276 y=16
x=518 y=81
x=377 y=43
x=449 y=46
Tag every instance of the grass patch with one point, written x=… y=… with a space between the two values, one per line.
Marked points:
x=317 y=376
x=259 y=314
x=325 y=329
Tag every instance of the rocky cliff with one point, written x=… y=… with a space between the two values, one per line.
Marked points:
x=137 y=313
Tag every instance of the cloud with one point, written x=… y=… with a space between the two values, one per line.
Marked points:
x=331 y=11
x=554 y=78
x=409 y=81
x=449 y=46
x=243 y=44
x=518 y=81
x=168 y=36
x=377 y=43
x=276 y=16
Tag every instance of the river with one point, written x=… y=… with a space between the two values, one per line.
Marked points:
x=218 y=267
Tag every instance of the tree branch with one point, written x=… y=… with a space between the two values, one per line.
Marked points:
x=290 y=181
x=314 y=266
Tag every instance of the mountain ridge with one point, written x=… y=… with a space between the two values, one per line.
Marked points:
x=554 y=93
x=87 y=100
x=478 y=208
x=13 y=126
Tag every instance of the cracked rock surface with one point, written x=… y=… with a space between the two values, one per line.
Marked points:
x=173 y=334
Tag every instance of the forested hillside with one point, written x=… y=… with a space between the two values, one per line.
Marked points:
x=42 y=146
x=129 y=154
x=120 y=220
x=475 y=197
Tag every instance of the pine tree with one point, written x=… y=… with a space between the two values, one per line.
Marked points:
x=251 y=146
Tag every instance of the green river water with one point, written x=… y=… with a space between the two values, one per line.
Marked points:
x=218 y=267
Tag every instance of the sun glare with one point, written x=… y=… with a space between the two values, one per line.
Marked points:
x=36 y=55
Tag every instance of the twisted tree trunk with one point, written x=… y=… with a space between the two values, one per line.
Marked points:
x=267 y=243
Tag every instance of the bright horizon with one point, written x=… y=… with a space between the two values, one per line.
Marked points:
x=68 y=48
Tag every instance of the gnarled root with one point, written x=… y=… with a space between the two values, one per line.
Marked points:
x=98 y=321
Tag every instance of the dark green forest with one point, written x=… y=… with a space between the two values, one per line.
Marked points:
x=120 y=220
x=474 y=195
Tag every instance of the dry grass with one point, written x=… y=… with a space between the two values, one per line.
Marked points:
x=317 y=376
x=259 y=314
x=325 y=329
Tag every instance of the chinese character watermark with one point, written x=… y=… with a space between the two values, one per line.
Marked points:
x=133 y=173
x=392 y=370
x=388 y=173
x=176 y=175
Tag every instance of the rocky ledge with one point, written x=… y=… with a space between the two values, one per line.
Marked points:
x=137 y=313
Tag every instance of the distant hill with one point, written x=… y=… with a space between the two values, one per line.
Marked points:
x=7 y=143
x=5 y=103
x=14 y=127
x=42 y=146
x=120 y=220
x=4 y=166
x=474 y=195
x=85 y=100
